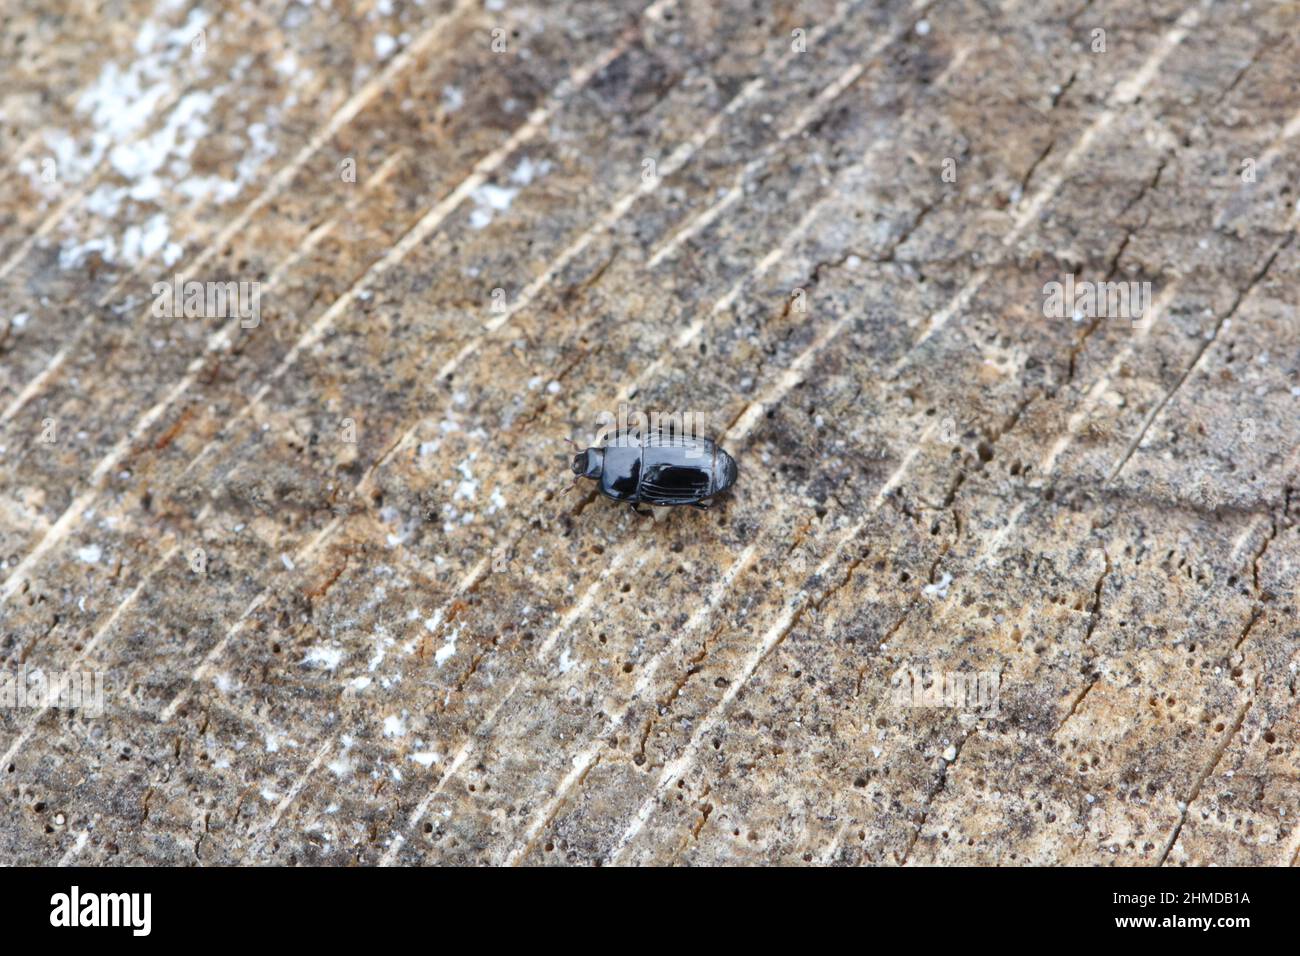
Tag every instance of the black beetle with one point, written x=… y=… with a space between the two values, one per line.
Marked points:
x=658 y=470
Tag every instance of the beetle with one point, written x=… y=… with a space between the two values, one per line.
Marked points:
x=658 y=470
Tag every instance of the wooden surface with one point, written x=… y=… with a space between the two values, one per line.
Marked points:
x=347 y=607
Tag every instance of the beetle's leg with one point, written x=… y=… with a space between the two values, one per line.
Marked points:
x=638 y=512
x=701 y=505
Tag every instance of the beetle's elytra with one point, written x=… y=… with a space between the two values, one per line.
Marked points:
x=658 y=470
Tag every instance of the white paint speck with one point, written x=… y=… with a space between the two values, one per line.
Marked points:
x=468 y=488
x=527 y=171
x=394 y=726
x=488 y=201
x=939 y=589
x=444 y=653
x=327 y=657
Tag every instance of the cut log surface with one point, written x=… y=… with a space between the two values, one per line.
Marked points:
x=1009 y=575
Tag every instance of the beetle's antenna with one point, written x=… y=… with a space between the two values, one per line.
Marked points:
x=575 y=445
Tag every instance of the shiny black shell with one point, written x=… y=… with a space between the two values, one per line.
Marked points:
x=658 y=470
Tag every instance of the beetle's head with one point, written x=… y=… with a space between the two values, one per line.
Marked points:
x=589 y=463
x=726 y=470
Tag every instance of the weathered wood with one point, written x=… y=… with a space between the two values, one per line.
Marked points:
x=325 y=551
